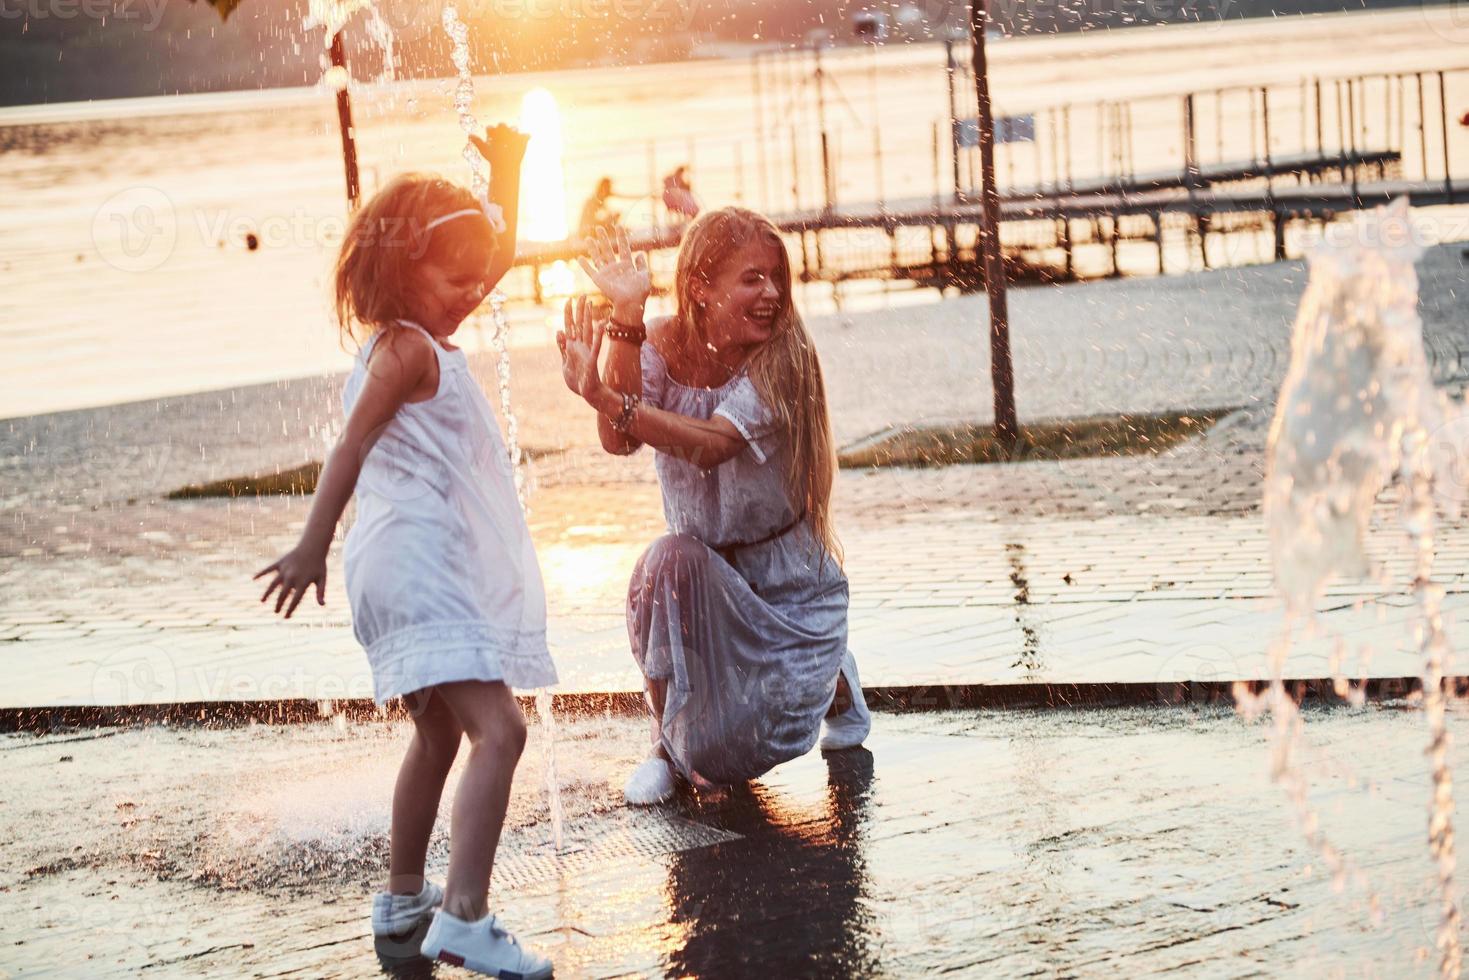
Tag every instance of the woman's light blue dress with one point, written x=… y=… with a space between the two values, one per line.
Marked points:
x=750 y=639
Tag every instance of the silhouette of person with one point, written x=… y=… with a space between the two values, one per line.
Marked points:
x=597 y=212
x=678 y=195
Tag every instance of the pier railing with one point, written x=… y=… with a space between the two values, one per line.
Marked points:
x=1153 y=183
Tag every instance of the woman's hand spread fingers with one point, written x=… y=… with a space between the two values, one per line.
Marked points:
x=617 y=271
x=580 y=342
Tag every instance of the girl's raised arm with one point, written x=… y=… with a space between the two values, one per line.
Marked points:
x=504 y=148
x=401 y=361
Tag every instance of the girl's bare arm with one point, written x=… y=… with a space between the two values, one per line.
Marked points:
x=398 y=365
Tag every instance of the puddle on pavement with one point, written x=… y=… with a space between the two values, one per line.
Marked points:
x=1000 y=842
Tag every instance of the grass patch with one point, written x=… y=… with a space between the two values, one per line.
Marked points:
x=301 y=480
x=1084 y=438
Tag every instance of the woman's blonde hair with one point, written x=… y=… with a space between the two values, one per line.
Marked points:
x=785 y=369
x=389 y=237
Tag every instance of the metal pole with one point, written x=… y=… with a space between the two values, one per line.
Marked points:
x=1055 y=153
x=877 y=164
x=1422 y=128
x=1443 y=118
x=1002 y=372
x=1321 y=143
x=796 y=174
x=1352 y=130
x=1362 y=97
x=1276 y=225
x=653 y=196
x=821 y=128
x=739 y=162
x=760 y=130
x=1191 y=178
x=344 y=120
x=949 y=70
x=1066 y=129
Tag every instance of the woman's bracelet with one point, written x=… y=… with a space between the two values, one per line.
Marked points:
x=629 y=410
x=627 y=332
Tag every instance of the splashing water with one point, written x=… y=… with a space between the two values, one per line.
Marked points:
x=500 y=338
x=458 y=32
x=333 y=15
x=1358 y=409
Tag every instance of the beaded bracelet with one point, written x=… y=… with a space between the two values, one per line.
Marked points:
x=626 y=332
x=629 y=409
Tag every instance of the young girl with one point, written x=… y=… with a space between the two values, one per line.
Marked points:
x=445 y=589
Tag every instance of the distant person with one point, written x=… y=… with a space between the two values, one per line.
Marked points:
x=445 y=590
x=678 y=195
x=737 y=615
x=597 y=212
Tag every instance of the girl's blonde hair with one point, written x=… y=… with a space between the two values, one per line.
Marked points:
x=785 y=369
x=389 y=237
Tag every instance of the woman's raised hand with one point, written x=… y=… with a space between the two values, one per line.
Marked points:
x=619 y=273
x=580 y=342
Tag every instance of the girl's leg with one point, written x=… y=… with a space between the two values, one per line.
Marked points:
x=495 y=727
x=436 y=736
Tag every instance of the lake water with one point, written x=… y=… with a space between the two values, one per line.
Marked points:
x=122 y=255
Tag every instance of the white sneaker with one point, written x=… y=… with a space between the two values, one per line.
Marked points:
x=848 y=729
x=395 y=915
x=482 y=946
x=651 y=782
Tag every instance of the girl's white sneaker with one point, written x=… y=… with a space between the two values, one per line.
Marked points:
x=651 y=782
x=396 y=915
x=483 y=946
x=848 y=729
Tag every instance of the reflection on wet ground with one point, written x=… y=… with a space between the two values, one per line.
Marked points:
x=984 y=843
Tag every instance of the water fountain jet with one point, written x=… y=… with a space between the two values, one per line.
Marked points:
x=1357 y=412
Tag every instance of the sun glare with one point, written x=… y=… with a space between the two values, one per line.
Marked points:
x=542 y=183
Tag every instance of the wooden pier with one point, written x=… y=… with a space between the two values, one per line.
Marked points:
x=1036 y=219
x=1309 y=159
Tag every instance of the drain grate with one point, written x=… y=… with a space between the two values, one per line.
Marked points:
x=595 y=844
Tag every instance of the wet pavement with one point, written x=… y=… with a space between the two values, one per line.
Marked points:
x=1128 y=571
x=969 y=842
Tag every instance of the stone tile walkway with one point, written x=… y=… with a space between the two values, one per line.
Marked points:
x=1125 y=571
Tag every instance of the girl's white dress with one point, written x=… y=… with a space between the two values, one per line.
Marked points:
x=440 y=570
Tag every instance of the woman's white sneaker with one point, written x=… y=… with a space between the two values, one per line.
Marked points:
x=396 y=915
x=483 y=946
x=850 y=728
x=650 y=783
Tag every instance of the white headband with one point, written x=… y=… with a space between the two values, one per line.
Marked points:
x=491 y=213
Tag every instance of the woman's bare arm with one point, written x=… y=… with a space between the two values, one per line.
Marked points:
x=704 y=442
